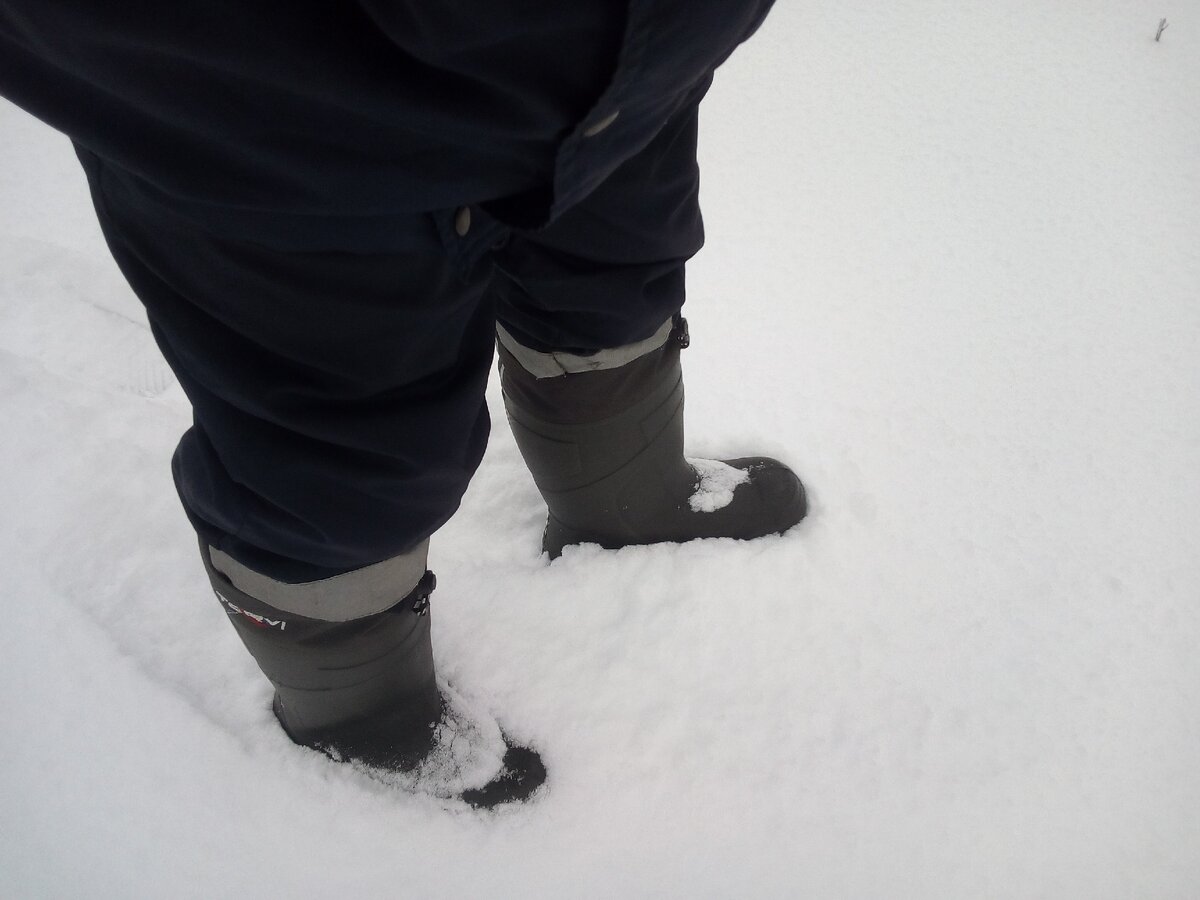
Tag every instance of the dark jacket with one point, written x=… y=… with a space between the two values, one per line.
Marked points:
x=244 y=111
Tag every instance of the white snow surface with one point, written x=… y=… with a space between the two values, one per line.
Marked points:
x=952 y=276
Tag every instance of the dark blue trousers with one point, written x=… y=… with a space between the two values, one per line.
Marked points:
x=327 y=207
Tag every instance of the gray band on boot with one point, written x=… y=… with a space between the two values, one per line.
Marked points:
x=342 y=598
x=558 y=362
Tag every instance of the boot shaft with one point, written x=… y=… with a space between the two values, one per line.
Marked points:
x=330 y=675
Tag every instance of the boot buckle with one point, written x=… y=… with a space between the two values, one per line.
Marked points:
x=420 y=594
x=680 y=335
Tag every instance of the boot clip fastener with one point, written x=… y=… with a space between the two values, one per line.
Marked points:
x=680 y=334
x=420 y=594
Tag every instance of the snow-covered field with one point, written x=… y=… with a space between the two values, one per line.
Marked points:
x=953 y=276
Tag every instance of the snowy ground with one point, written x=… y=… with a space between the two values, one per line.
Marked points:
x=953 y=277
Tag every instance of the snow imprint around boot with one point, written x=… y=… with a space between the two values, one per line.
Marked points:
x=468 y=753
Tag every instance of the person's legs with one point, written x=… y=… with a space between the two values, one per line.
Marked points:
x=333 y=338
x=338 y=415
x=589 y=340
x=338 y=396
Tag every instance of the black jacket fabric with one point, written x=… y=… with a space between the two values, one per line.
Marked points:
x=245 y=111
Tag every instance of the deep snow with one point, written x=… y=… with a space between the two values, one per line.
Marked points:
x=952 y=276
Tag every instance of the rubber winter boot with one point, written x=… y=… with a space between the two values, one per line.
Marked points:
x=364 y=689
x=603 y=437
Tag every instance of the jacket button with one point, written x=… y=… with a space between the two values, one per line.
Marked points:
x=462 y=221
x=596 y=127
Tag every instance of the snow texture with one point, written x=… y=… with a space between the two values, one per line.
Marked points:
x=717 y=483
x=468 y=753
x=951 y=277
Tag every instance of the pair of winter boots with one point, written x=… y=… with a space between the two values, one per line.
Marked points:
x=602 y=435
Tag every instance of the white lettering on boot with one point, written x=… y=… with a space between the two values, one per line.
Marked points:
x=262 y=621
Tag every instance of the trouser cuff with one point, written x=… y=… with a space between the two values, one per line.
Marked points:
x=556 y=363
x=342 y=598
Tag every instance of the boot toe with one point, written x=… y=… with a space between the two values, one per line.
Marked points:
x=523 y=773
x=780 y=496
